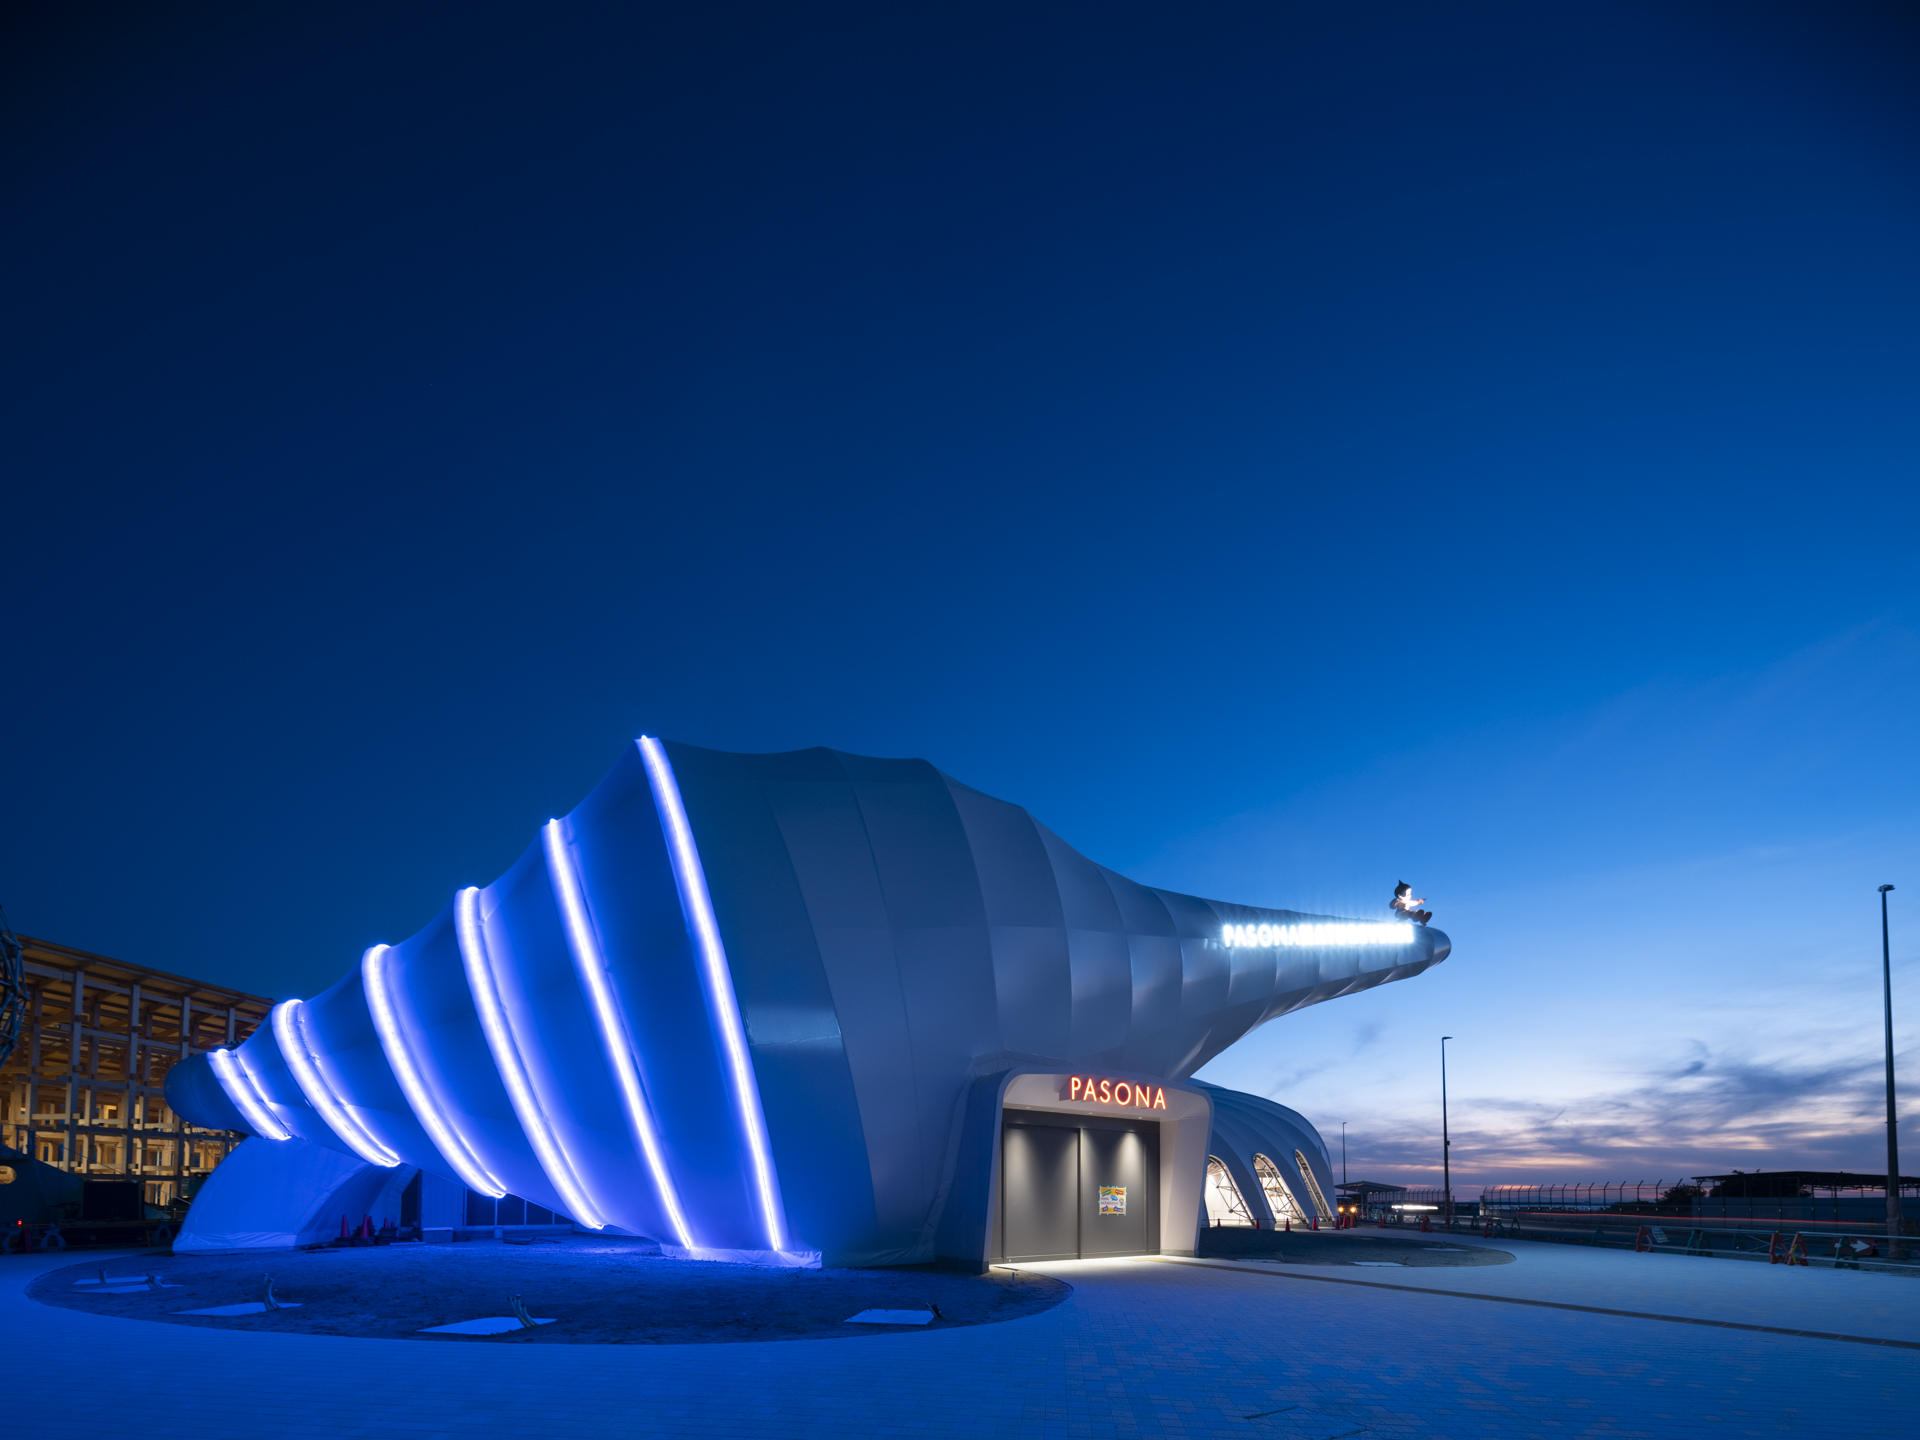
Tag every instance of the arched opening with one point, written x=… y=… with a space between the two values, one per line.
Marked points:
x=1224 y=1205
x=1279 y=1197
x=1313 y=1186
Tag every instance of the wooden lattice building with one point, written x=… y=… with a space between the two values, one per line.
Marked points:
x=83 y=1089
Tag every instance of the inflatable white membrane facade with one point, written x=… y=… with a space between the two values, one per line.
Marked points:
x=770 y=1008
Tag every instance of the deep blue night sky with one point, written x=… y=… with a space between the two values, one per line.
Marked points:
x=1287 y=447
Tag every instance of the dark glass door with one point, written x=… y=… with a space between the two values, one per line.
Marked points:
x=1040 y=1178
x=1077 y=1189
x=1117 y=1183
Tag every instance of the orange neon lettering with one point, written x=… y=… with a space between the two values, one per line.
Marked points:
x=1160 y=1099
x=1106 y=1092
x=1075 y=1095
x=1122 y=1094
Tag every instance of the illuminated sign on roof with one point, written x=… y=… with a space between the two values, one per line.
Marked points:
x=1317 y=935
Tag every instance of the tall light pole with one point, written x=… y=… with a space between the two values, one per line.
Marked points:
x=1446 y=1140
x=1895 y=1250
x=1344 y=1196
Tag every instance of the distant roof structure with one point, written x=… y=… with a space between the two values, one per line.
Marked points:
x=1370 y=1187
x=1818 y=1179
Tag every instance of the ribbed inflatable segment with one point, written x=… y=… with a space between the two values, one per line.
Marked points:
x=734 y=1002
x=1248 y=1127
x=561 y=1034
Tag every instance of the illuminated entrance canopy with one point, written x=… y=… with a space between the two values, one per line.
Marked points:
x=1117 y=1092
x=1318 y=936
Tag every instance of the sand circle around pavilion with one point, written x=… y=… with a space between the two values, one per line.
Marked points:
x=598 y=1292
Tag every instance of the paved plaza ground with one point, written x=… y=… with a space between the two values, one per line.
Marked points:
x=1141 y=1347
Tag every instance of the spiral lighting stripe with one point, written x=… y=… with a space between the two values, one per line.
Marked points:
x=615 y=1038
x=239 y=1084
x=290 y=1029
x=426 y=1106
x=509 y=1061
x=717 y=979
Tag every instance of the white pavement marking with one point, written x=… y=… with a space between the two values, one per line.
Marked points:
x=1141 y=1348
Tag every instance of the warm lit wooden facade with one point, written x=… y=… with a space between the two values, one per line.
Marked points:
x=83 y=1089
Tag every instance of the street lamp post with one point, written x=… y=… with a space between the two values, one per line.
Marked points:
x=1343 y=1169
x=1446 y=1140
x=1895 y=1249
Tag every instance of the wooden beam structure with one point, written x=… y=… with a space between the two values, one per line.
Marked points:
x=83 y=1090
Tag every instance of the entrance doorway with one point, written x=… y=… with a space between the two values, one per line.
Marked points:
x=1076 y=1186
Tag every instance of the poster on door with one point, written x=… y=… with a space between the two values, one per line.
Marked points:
x=1113 y=1199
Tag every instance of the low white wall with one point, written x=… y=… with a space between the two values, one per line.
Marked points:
x=275 y=1195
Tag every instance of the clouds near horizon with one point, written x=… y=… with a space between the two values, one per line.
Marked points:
x=1666 y=931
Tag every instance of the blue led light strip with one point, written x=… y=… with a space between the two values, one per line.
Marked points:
x=616 y=1040
x=717 y=979
x=426 y=1106
x=496 y=1021
x=290 y=1029
x=230 y=1070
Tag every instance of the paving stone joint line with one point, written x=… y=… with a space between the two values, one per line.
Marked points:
x=1553 y=1305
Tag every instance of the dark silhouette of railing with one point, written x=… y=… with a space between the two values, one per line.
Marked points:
x=1584 y=1197
x=1684 y=1200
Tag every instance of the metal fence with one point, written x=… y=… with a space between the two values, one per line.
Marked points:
x=1821 y=1245
x=1832 y=1208
x=1579 y=1197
